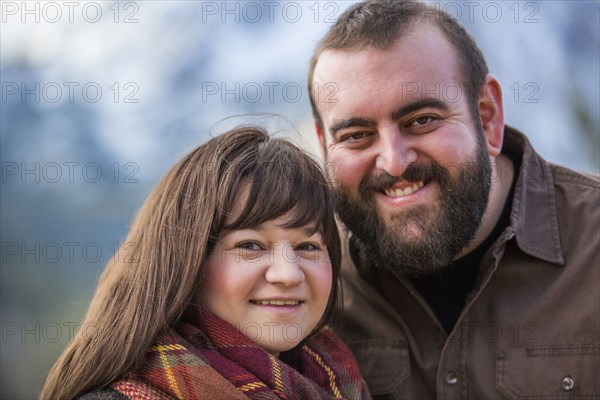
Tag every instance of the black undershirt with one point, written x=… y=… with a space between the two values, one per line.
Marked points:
x=446 y=290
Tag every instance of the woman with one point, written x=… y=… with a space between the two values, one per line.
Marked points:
x=232 y=275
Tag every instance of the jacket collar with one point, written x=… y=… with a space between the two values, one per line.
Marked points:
x=534 y=215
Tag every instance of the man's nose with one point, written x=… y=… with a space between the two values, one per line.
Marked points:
x=395 y=152
x=285 y=269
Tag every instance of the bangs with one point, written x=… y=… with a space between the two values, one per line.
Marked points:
x=275 y=183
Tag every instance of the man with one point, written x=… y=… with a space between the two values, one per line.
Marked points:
x=472 y=265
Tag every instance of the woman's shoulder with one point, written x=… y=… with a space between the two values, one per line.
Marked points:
x=103 y=394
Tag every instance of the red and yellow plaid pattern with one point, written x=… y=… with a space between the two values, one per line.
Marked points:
x=216 y=361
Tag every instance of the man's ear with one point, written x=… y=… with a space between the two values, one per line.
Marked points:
x=321 y=137
x=491 y=114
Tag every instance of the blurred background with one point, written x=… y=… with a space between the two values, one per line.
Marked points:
x=100 y=98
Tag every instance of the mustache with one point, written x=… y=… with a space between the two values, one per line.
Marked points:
x=424 y=171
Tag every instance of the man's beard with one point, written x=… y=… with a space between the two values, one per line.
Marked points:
x=426 y=237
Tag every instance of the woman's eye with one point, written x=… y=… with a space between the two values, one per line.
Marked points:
x=308 y=247
x=249 y=250
x=310 y=251
x=249 y=246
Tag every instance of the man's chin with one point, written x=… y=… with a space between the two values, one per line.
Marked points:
x=410 y=236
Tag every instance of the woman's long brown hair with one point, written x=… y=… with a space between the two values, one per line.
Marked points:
x=149 y=291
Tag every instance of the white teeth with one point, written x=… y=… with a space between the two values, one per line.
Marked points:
x=401 y=193
x=276 y=302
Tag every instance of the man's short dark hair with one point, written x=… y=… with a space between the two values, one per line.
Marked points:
x=380 y=23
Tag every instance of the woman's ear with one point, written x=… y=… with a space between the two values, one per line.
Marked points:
x=491 y=114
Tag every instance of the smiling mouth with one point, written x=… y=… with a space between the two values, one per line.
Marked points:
x=397 y=192
x=276 y=302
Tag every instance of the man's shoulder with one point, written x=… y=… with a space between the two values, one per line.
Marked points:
x=576 y=197
x=575 y=191
x=533 y=164
x=568 y=177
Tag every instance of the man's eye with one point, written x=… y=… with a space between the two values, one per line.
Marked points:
x=424 y=120
x=354 y=137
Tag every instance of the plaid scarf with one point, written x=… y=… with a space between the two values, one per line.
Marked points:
x=216 y=361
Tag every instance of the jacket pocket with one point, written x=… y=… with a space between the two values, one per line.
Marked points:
x=561 y=372
x=384 y=364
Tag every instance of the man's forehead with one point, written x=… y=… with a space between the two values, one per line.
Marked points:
x=423 y=44
x=418 y=64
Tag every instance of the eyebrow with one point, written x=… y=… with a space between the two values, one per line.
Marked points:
x=352 y=122
x=308 y=230
x=312 y=230
x=400 y=112
x=417 y=105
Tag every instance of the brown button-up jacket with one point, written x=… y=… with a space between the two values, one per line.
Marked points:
x=530 y=329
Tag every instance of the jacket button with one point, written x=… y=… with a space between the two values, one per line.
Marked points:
x=568 y=383
x=451 y=379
